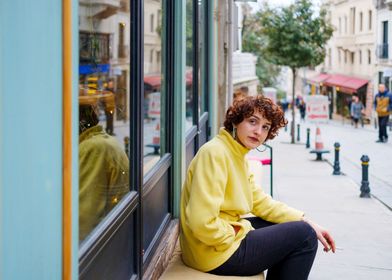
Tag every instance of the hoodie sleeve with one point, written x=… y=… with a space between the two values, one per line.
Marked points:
x=271 y=210
x=208 y=184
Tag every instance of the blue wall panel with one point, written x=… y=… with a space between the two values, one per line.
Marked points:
x=30 y=139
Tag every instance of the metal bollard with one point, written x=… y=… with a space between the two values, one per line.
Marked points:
x=307 y=138
x=365 y=190
x=298 y=134
x=126 y=145
x=336 y=164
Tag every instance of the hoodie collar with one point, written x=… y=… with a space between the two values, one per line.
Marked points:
x=233 y=145
x=90 y=132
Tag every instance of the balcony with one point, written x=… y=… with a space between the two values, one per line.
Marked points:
x=389 y=4
x=382 y=51
x=380 y=4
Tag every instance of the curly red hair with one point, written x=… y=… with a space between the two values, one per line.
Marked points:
x=243 y=108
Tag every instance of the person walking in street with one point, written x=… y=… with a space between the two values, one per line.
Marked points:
x=356 y=110
x=383 y=105
x=219 y=189
x=302 y=109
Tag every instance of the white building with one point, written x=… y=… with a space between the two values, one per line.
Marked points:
x=383 y=36
x=349 y=67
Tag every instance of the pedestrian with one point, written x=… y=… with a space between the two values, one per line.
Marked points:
x=383 y=105
x=356 y=110
x=302 y=109
x=219 y=190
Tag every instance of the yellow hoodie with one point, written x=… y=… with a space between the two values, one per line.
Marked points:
x=219 y=189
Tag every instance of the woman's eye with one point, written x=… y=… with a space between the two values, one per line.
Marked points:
x=252 y=121
x=266 y=127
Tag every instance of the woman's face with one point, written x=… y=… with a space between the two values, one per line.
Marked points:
x=253 y=131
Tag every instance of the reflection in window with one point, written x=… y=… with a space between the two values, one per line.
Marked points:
x=103 y=109
x=201 y=54
x=189 y=65
x=153 y=87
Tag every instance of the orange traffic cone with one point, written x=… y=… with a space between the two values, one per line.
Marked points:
x=319 y=142
x=156 y=138
x=319 y=146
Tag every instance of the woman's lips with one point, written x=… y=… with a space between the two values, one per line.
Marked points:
x=253 y=139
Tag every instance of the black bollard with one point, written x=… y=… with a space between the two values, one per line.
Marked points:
x=365 y=190
x=126 y=145
x=298 y=136
x=307 y=138
x=336 y=164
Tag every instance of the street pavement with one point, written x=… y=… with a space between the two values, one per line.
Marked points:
x=355 y=142
x=362 y=227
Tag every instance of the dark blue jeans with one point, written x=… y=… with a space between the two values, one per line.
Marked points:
x=382 y=131
x=287 y=250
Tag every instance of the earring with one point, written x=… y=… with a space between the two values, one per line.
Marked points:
x=234 y=132
x=260 y=151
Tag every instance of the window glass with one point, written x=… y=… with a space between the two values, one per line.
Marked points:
x=154 y=89
x=104 y=123
x=189 y=65
x=201 y=54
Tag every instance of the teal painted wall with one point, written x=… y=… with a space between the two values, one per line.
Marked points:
x=75 y=139
x=30 y=139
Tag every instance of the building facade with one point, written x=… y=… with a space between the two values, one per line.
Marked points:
x=86 y=87
x=349 y=66
x=383 y=36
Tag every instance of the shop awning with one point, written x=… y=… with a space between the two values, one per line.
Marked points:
x=320 y=78
x=153 y=81
x=345 y=83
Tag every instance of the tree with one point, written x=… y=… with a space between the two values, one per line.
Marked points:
x=296 y=38
x=254 y=42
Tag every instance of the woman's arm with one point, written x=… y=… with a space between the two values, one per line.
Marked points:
x=207 y=191
x=323 y=235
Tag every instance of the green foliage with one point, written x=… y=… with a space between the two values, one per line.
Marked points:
x=281 y=94
x=295 y=36
x=254 y=42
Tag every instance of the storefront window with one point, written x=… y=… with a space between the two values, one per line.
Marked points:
x=201 y=56
x=154 y=89
x=189 y=65
x=104 y=123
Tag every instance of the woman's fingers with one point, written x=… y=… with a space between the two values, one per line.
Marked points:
x=323 y=241
x=330 y=241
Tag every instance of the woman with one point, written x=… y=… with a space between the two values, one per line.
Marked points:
x=356 y=110
x=219 y=189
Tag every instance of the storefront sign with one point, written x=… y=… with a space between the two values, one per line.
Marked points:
x=317 y=108
x=154 y=105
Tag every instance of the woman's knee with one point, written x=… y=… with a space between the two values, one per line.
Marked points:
x=307 y=235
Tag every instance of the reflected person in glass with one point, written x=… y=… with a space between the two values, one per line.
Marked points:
x=103 y=171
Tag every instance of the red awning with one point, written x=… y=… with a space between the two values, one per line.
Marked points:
x=345 y=83
x=354 y=83
x=320 y=78
x=189 y=77
x=153 y=81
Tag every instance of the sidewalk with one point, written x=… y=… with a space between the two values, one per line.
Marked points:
x=362 y=228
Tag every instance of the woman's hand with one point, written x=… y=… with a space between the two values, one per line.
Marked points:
x=323 y=235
